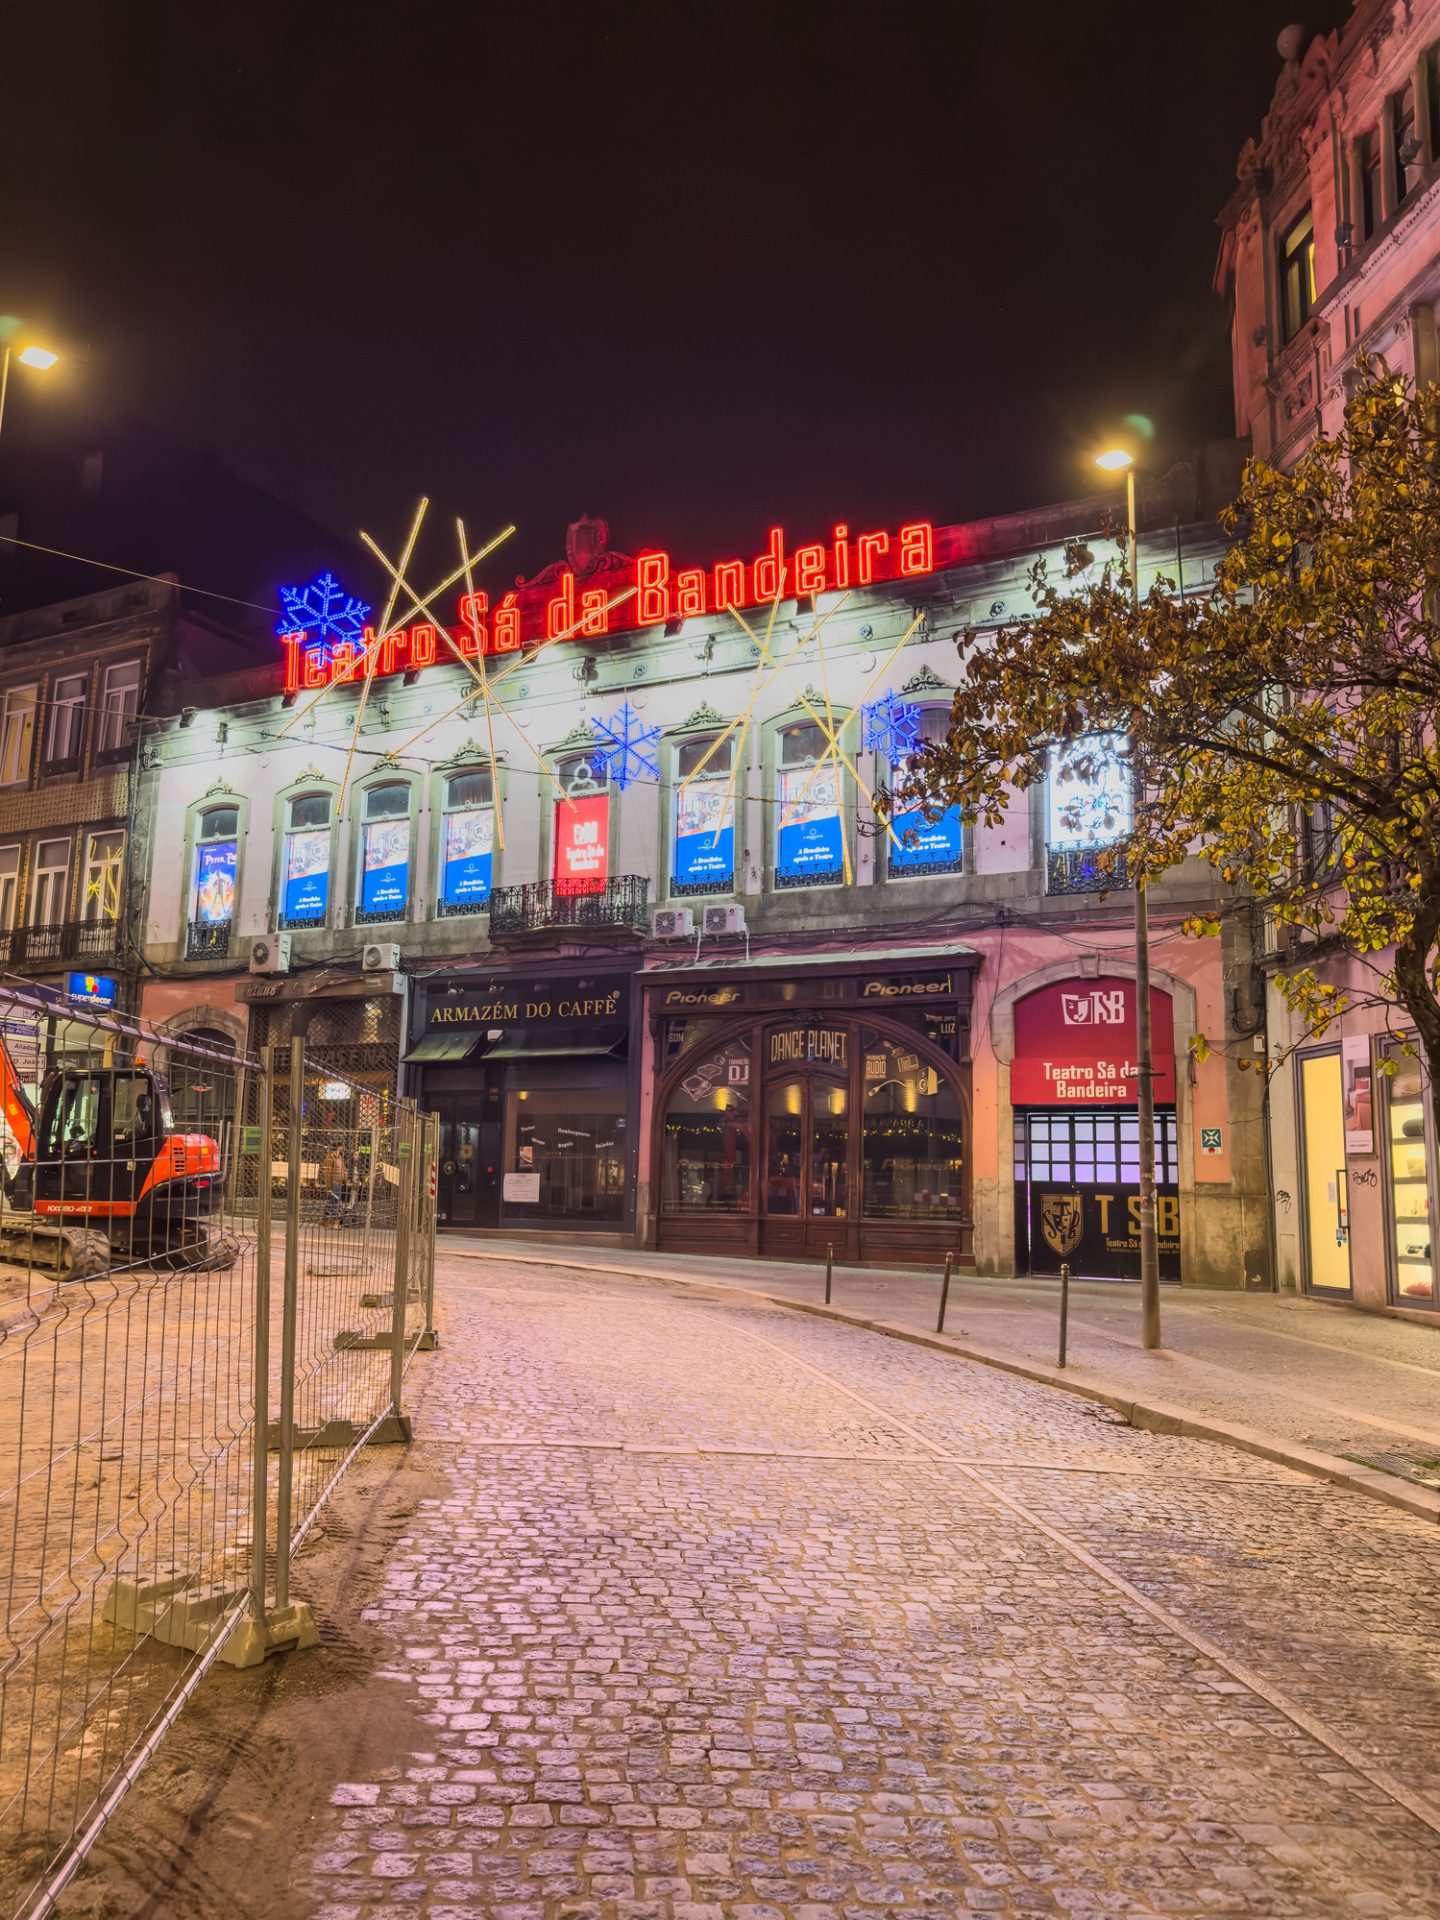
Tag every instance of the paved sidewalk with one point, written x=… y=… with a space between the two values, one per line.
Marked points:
x=1323 y=1384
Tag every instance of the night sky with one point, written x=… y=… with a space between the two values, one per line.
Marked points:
x=695 y=269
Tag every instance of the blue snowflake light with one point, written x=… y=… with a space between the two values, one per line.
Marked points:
x=892 y=725
x=627 y=756
x=324 y=613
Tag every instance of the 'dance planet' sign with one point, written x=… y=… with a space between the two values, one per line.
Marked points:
x=565 y=600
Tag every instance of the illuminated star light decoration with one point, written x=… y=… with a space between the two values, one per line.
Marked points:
x=892 y=725
x=627 y=756
x=324 y=613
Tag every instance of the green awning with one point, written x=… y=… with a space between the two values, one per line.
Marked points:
x=519 y=1045
x=443 y=1046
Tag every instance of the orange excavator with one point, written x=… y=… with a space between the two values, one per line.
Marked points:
x=102 y=1181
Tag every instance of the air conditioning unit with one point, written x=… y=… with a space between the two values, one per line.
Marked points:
x=381 y=957
x=270 y=953
x=672 y=923
x=722 y=920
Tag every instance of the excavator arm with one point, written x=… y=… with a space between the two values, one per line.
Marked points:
x=20 y=1115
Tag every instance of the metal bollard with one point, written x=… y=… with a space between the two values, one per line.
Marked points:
x=944 y=1294
x=829 y=1267
x=1064 y=1307
x=289 y=1307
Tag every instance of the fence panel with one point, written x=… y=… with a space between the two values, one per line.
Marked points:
x=160 y=1281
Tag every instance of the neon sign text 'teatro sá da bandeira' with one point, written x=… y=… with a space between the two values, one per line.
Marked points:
x=532 y=613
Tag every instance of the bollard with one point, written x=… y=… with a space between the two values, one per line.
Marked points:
x=829 y=1268
x=1064 y=1307
x=944 y=1295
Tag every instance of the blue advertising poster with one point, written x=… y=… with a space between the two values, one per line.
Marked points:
x=936 y=843
x=307 y=875
x=705 y=833
x=808 y=841
x=95 y=989
x=469 y=852
x=215 y=883
x=385 y=883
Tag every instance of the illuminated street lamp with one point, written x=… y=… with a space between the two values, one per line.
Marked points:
x=1120 y=460
x=40 y=358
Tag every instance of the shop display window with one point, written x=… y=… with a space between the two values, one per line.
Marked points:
x=565 y=1153
x=1410 y=1163
x=913 y=1142
x=706 y=1163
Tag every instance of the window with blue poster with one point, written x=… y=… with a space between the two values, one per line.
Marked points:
x=809 y=821
x=468 y=843
x=385 y=854
x=305 y=892
x=216 y=858
x=703 y=844
x=921 y=846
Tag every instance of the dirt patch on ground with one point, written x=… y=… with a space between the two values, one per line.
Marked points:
x=218 y=1822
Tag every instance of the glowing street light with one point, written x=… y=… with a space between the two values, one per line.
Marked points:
x=40 y=358
x=1120 y=460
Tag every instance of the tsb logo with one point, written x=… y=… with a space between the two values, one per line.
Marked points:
x=1104 y=1007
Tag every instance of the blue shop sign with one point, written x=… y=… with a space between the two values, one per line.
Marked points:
x=95 y=989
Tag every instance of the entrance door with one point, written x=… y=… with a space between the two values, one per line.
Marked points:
x=1077 y=1192
x=1327 y=1212
x=805 y=1188
x=468 y=1182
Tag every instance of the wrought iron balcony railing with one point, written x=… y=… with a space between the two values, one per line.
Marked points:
x=621 y=902
x=207 y=940
x=1085 y=870
x=60 y=942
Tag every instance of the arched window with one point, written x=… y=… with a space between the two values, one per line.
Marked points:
x=706 y=1165
x=809 y=826
x=216 y=851
x=384 y=853
x=913 y=1140
x=922 y=846
x=702 y=847
x=467 y=847
x=580 y=861
x=305 y=890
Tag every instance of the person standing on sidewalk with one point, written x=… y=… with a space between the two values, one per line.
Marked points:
x=334 y=1174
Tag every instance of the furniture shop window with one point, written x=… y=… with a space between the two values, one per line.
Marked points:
x=809 y=822
x=913 y=1138
x=706 y=1156
x=305 y=886
x=702 y=844
x=67 y=721
x=51 y=883
x=17 y=735
x=119 y=704
x=1297 y=273
x=468 y=844
x=385 y=853
x=922 y=846
x=216 y=852
x=104 y=865
x=580 y=823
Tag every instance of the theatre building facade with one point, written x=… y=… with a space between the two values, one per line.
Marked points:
x=622 y=908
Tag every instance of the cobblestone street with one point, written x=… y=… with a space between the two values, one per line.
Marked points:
x=720 y=1611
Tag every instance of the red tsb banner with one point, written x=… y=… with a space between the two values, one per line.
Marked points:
x=582 y=851
x=1075 y=1045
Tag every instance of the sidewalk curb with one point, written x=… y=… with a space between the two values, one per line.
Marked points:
x=1149 y=1416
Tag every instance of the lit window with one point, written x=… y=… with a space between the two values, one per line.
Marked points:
x=305 y=885
x=1297 y=273
x=51 y=883
x=17 y=735
x=922 y=846
x=9 y=886
x=119 y=703
x=702 y=848
x=216 y=849
x=809 y=827
x=67 y=721
x=104 y=860
x=385 y=854
x=468 y=850
x=1088 y=808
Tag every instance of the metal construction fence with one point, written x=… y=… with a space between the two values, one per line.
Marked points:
x=201 y=1322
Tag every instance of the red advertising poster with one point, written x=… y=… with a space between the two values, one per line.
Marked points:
x=582 y=843
x=1075 y=1045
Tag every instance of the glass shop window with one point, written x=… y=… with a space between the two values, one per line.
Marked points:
x=216 y=849
x=809 y=822
x=468 y=852
x=1297 y=273
x=913 y=1140
x=706 y=1166
x=385 y=854
x=305 y=895
x=565 y=1154
x=703 y=827
x=922 y=846
x=1410 y=1165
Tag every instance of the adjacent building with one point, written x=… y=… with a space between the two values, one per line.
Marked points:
x=1331 y=249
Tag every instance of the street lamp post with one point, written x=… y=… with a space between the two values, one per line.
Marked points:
x=1116 y=460
x=40 y=358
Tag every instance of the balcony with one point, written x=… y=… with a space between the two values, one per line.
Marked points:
x=207 y=940
x=60 y=944
x=620 y=905
x=1080 y=870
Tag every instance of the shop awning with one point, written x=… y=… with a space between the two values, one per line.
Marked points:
x=443 y=1046
x=519 y=1045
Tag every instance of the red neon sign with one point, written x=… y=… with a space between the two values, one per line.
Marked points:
x=532 y=613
